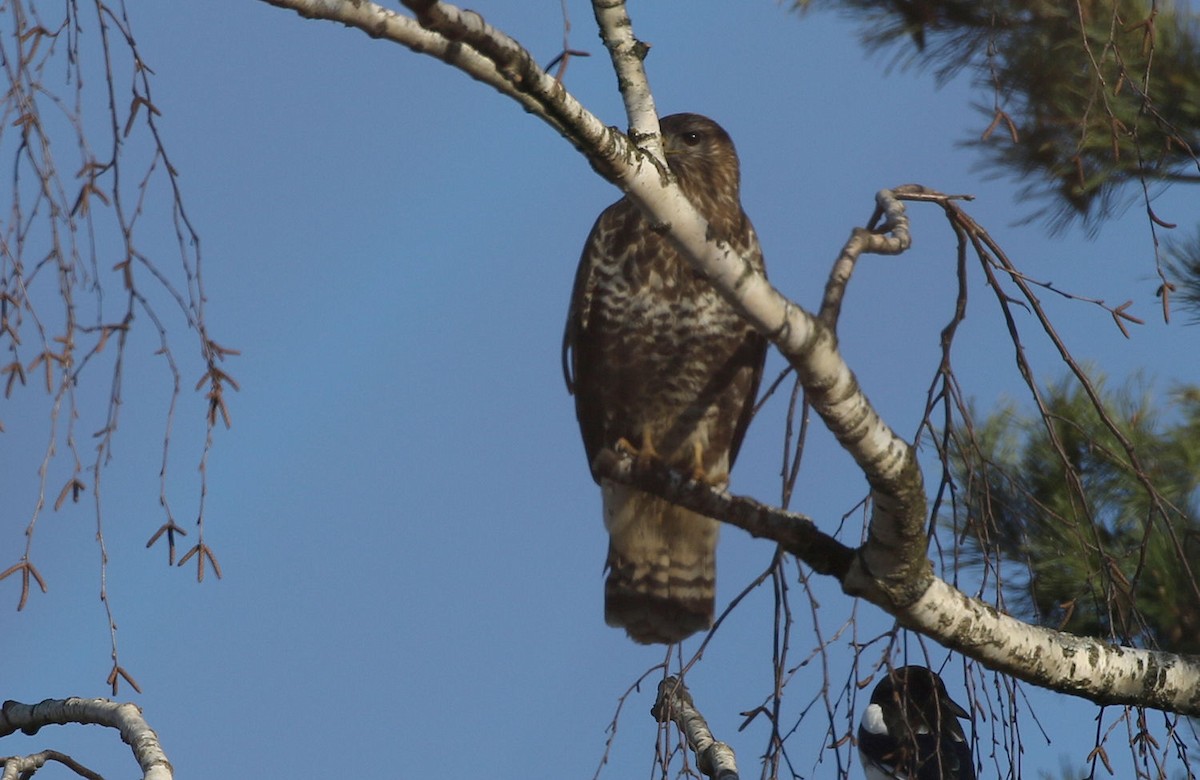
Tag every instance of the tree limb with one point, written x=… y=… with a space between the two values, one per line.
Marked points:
x=796 y=533
x=1081 y=666
x=126 y=718
x=25 y=766
x=628 y=55
x=892 y=239
x=674 y=703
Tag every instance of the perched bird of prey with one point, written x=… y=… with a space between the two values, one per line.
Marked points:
x=910 y=730
x=661 y=366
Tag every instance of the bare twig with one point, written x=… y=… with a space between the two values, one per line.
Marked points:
x=59 y=227
x=25 y=766
x=563 y=58
x=616 y=718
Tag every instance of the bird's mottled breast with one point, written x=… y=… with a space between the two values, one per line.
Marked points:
x=663 y=327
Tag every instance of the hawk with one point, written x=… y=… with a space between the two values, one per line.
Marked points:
x=661 y=366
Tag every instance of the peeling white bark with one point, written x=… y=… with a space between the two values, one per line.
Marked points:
x=126 y=718
x=627 y=55
x=714 y=758
x=1082 y=666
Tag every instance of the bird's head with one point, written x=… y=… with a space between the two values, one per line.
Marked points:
x=701 y=155
x=919 y=697
x=910 y=730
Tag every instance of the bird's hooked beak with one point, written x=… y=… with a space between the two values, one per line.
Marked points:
x=950 y=705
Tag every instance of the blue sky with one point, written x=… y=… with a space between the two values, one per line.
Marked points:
x=410 y=540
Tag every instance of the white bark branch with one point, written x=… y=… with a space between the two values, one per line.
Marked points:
x=1080 y=666
x=862 y=241
x=674 y=703
x=463 y=40
x=126 y=718
x=17 y=767
x=628 y=55
x=380 y=22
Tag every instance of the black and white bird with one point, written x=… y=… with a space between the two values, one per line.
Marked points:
x=910 y=730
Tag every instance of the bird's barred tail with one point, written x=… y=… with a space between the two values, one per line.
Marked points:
x=661 y=565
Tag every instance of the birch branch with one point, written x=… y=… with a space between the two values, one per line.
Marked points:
x=22 y=767
x=892 y=239
x=463 y=40
x=126 y=718
x=674 y=703
x=379 y=22
x=628 y=56
x=1080 y=666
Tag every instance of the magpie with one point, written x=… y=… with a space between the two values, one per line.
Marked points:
x=910 y=730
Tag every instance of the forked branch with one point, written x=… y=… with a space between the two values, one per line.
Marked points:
x=126 y=718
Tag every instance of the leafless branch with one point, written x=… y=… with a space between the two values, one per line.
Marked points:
x=1063 y=662
x=76 y=197
x=25 y=766
x=715 y=759
x=126 y=718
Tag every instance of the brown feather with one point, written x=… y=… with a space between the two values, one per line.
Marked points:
x=655 y=356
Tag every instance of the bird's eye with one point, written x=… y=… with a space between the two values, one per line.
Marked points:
x=690 y=139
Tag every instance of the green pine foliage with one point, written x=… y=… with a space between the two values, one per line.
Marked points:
x=1096 y=100
x=1090 y=545
x=1183 y=265
x=1079 y=98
